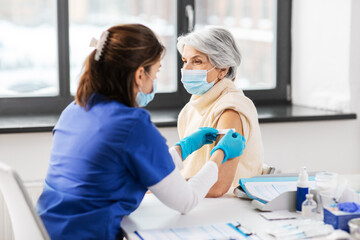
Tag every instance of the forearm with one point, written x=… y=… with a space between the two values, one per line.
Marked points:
x=217 y=157
x=227 y=172
x=228 y=120
x=181 y=195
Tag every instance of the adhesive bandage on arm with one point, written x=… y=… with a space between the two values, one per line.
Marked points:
x=224 y=131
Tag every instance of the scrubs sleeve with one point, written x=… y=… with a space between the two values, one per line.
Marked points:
x=148 y=158
x=181 y=195
x=177 y=159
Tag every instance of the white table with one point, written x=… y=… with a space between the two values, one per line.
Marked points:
x=152 y=214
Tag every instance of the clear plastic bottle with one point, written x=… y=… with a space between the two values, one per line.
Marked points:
x=309 y=206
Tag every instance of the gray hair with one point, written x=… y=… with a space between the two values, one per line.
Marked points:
x=218 y=44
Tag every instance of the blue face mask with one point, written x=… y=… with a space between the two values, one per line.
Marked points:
x=195 y=81
x=142 y=98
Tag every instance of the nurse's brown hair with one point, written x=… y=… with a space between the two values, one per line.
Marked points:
x=127 y=47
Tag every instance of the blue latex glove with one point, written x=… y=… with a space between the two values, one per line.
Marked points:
x=233 y=145
x=189 y=144
x=349 y=207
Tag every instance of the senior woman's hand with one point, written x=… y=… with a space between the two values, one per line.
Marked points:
x=193 y=142
x=232 y=144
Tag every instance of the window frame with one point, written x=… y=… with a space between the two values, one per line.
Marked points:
x=282 y=92
x=179 y=98
x=173 y=100
x=48 y=105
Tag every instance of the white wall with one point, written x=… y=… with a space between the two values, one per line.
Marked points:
x=326 y=72
x=28 y=153
x=334 y=55
x=322 y=145
x=321 y=31
x=354 y=73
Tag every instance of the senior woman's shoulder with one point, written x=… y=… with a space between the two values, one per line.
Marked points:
x=235 y=99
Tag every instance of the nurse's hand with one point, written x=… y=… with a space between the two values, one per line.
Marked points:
x=232 y=144
x=189 y=144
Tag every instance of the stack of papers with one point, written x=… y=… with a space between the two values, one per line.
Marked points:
x=265 y=189
x=232 y=230
x=279 y=215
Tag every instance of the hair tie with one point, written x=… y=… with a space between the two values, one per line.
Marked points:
x=99 y=44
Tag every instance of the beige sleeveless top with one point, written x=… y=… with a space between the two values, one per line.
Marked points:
x=205 y=111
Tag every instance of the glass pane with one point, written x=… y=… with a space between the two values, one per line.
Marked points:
x=89 y=18
x=253 y=23
x=28 y=48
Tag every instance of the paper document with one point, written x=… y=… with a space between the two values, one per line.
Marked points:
x=279 y=215
x=266 y=189
x=218 y=231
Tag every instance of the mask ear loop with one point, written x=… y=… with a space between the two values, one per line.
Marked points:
x=153 y=80
x=140 y=89
x=211 y=69
x=147 y=74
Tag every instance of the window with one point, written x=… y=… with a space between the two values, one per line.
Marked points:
x=47 y=42
x=28 y=50
x=253 y=29
x=261 y=29
x=90 y=18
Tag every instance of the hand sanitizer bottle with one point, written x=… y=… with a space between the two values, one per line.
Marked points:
x=308 y=209
x=302 y=188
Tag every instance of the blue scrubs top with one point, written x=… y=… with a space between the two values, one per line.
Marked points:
x=101 y=163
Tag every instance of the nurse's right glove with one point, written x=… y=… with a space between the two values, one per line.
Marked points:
x=193 y=142
x=233 y=145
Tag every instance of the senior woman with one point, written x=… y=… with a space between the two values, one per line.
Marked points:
x=211 y=58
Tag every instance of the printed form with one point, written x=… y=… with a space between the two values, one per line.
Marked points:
x=206 y=232
x=267 y=191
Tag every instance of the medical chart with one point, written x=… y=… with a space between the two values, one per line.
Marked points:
x=205 y=232
x=266 y=189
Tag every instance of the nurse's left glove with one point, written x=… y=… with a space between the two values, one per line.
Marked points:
x=189 y=144
x=232 y=144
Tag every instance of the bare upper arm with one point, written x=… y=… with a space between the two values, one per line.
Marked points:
x=228 y=119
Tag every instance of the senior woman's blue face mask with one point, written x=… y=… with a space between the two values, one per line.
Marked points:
x=143 y=99
x=195 y=81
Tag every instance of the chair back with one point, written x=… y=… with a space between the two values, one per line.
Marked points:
x=25 y=221
x=266 y=169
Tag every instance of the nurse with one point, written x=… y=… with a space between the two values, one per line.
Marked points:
x=106 y=152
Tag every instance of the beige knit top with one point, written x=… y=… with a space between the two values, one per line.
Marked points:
x=205 y=111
